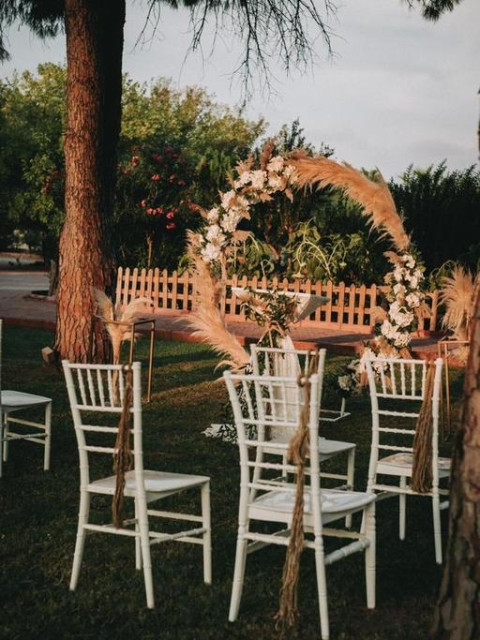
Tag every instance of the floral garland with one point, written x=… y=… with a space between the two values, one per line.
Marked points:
x=394 y=332
x=250 y=187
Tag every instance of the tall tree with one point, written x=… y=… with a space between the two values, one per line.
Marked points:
x=94 y=33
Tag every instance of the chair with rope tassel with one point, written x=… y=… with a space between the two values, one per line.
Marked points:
x=280 y=484
x=105 y=401
x=404 y=458
x=289 y=361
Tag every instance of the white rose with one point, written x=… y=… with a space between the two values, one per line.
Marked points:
x=258 y=179
x=215 y=235
x=212 y=215
x=228 y=199
x=275 y=164
x=210 y=252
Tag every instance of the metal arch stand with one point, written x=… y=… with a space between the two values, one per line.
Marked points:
x=133 y=326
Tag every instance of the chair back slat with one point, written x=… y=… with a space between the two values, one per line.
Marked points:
x=96 y=393
x=255 y=401
x=397 y=391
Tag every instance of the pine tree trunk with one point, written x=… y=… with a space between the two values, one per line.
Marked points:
x=457 y=615
x=94 y=30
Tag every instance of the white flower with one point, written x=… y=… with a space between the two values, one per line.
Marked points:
x=275 y=164
x=228 y=199
x=409 y=261
x=388 y=330
x=212 y=215
x=211 y=252
x=399 y=290
x=402 y=340
x=215 y=235
x=413 y=299
x=258 y=179
x=244 y=178
x=230 y=221
x=276 y=182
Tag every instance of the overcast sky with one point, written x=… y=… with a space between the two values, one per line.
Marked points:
x=398 y=91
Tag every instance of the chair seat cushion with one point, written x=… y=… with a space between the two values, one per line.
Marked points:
x=155 y=482
x=12 y=400
x=401 y=464
x=332 y=500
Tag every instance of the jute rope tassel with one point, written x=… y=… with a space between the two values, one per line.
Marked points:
x=122 y=458
x=422 y=443
x=298 y=452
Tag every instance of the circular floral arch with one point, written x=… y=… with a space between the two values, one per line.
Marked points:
x=251 y=185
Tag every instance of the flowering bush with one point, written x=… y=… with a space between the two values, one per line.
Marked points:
x=156 y=186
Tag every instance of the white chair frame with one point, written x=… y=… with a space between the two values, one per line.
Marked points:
x=285 y=361
x=268 y=486
x=19 y=428
x=394 y=380
x=99 y=390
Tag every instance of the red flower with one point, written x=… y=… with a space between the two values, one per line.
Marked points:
x=155 y=177
x=171 y=225
x=135 y=161
x=150 y=211
x=170 y=215
x=143 y=203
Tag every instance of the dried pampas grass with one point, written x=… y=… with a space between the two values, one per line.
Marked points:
x=457 y=294
x=374 y=197
x=118 y=321
x=206 y=320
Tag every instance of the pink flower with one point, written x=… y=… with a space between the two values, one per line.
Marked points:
x=150 y=211
x=155 y=177
x=170 y=215
x=143 y=203
x=171 y=225
x=135 y=161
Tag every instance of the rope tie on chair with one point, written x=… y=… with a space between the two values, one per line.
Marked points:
x=422 y=477
x=298 y=452
x=122 y=458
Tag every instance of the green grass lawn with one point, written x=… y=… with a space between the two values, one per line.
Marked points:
x=39 y=516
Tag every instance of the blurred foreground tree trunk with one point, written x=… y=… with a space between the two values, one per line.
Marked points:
x=94 y=33
x=457 y=616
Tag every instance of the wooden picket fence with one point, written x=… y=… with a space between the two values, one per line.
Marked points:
x=349 y=307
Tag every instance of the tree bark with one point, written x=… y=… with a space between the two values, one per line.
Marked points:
x=94 y=33
x=457 y=615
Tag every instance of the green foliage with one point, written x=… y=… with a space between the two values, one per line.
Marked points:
x=31 y=160
x=177 y=148
x=441 y=211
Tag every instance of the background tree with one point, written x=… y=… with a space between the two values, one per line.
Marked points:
x=94 y=34
x=31 y=158
x=438 y=204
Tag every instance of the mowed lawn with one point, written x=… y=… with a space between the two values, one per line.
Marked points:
x=39 y=518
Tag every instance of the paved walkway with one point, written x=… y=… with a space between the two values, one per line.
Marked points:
x=20 y=307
